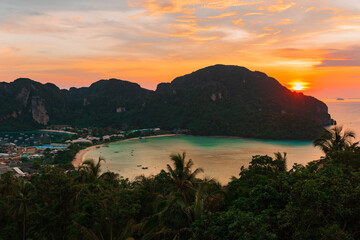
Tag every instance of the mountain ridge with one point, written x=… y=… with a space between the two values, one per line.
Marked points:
x=216 y=100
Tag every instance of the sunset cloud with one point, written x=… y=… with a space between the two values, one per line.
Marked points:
x=239 y=22
x=148 y=41
x=285 y=21
x=158 y=7
x=281 y=6
x=254 y=13
x=223 y=15
x=342 y=58
x=310 y=9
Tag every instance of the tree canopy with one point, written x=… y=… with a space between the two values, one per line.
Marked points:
x=267 y=200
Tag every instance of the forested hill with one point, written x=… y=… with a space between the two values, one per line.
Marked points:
x=216 y=100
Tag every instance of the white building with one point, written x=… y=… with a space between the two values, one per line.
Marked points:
x=81 y=140
x=106 y=137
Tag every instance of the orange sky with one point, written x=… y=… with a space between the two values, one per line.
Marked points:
x=74 y=43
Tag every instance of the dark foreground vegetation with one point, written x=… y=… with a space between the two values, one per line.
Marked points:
x=266 y=201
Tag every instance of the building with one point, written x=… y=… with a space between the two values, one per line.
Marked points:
x=4 y=156
x=29 y=150
x=18 y=171
x=81 y=140
x=106 y=137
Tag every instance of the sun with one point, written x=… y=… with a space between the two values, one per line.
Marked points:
x=299 y=86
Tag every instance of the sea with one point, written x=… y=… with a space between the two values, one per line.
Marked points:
x=219 y=157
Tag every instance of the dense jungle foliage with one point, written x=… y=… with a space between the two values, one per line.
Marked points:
x=266 y=200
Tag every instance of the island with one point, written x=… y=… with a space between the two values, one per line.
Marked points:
x=221 y=100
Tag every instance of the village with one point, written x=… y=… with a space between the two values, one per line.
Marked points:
x=24 y=158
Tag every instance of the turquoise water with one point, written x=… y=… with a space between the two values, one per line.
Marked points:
x=220 y=157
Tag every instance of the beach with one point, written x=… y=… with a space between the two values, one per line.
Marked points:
x=56 y=131
x=80 y=155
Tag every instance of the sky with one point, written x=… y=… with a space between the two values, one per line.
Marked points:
x=313 y=45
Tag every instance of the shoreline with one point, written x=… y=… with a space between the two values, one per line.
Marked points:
x=77 y=161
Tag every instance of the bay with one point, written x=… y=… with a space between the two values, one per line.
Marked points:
x=220 y=157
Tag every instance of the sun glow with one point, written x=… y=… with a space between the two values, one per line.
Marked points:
x=299 y=86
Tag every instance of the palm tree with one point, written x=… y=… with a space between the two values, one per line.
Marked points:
x=182 y=177
x=281 y=161
x=335 y=139
x=93 y=169
x=209 y=195
x=22 y=200
x=184 y=202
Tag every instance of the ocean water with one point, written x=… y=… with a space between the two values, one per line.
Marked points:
x=346 y=113
x=220 y=157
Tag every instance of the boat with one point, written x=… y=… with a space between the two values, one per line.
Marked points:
x=340 y=99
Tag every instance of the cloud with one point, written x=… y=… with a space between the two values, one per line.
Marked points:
x=159 y=7
x=267 y=28
x=186 y=30
x=235 y=36
x=39 y=6
x=342 y=58
x=239 y=22
x=222 y=4
x=290 y=36
x=254 y=13
x=296 y=53
x=268 y=34
x=285 y=21
x=348 y=17
x=349 y=4
x=223 y=15
x=310 y=9
x=280 y=6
